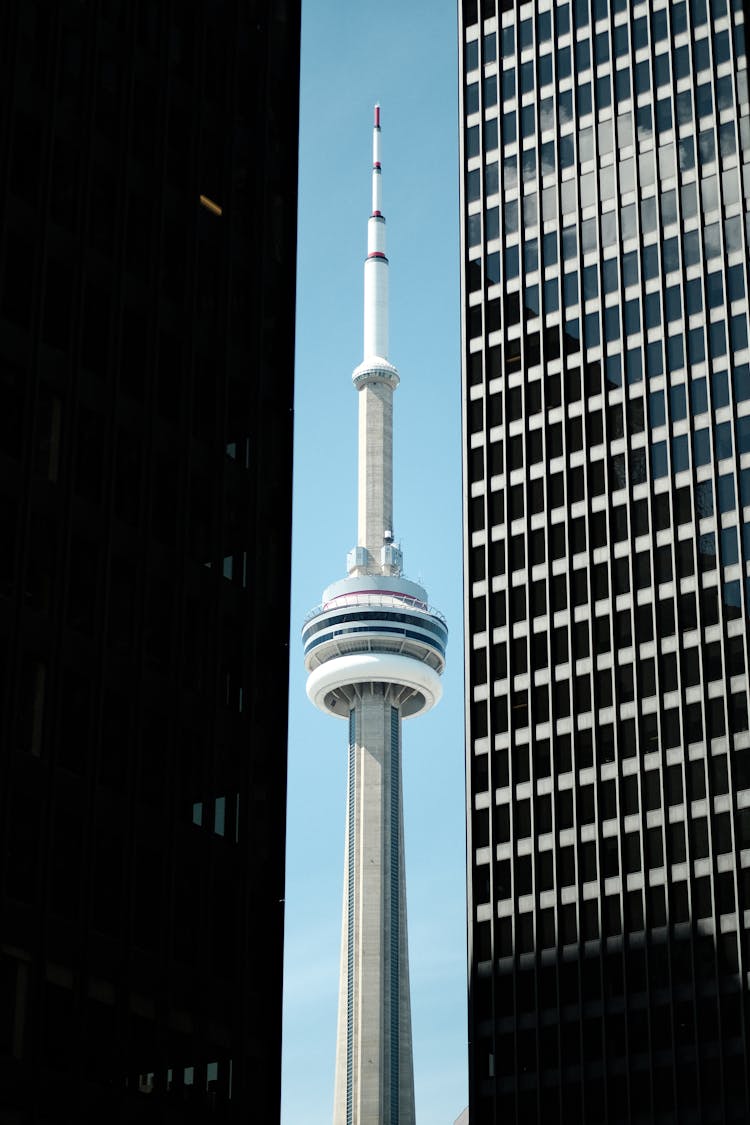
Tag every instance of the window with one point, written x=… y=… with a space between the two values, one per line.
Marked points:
x=725 y=493
x=717 y=339
x=656 y=411
x=653 y=310
x=659 y=466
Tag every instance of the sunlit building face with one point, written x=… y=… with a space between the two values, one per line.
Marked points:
x=605 y=201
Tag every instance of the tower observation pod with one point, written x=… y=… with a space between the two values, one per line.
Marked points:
x=374 y=651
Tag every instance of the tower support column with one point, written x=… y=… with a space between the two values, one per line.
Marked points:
x=374 y=1066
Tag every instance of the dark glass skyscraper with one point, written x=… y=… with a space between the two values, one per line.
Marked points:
x=605 y=188
x=148 y=171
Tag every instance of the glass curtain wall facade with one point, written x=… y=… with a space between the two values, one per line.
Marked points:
x=148 y=172
x=605 y=187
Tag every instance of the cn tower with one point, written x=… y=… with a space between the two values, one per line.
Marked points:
x=374 y=651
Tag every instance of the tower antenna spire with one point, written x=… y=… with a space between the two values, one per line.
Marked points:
x=376 y=379
x=376 y=263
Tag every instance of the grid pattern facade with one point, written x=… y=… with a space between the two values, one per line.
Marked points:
x=147 y=250
x=605 y=189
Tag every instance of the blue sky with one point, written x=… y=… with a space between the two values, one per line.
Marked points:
x=403 y=55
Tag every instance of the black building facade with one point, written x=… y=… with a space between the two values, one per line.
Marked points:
x=605 y=203
x=148 y=179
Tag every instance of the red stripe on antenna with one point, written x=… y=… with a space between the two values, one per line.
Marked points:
x=377 y=116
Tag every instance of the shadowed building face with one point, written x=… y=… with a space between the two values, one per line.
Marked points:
x=606 y=386
x=147 y=235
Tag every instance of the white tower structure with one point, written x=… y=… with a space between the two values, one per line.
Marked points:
x=374 y=651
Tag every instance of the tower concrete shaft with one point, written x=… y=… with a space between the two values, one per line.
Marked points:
x=374 y=1070
x=375 y=491
x=374 y=651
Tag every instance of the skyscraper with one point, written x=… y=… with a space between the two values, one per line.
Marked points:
x=147 y=261
x=374 y=651
x=606 y=385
